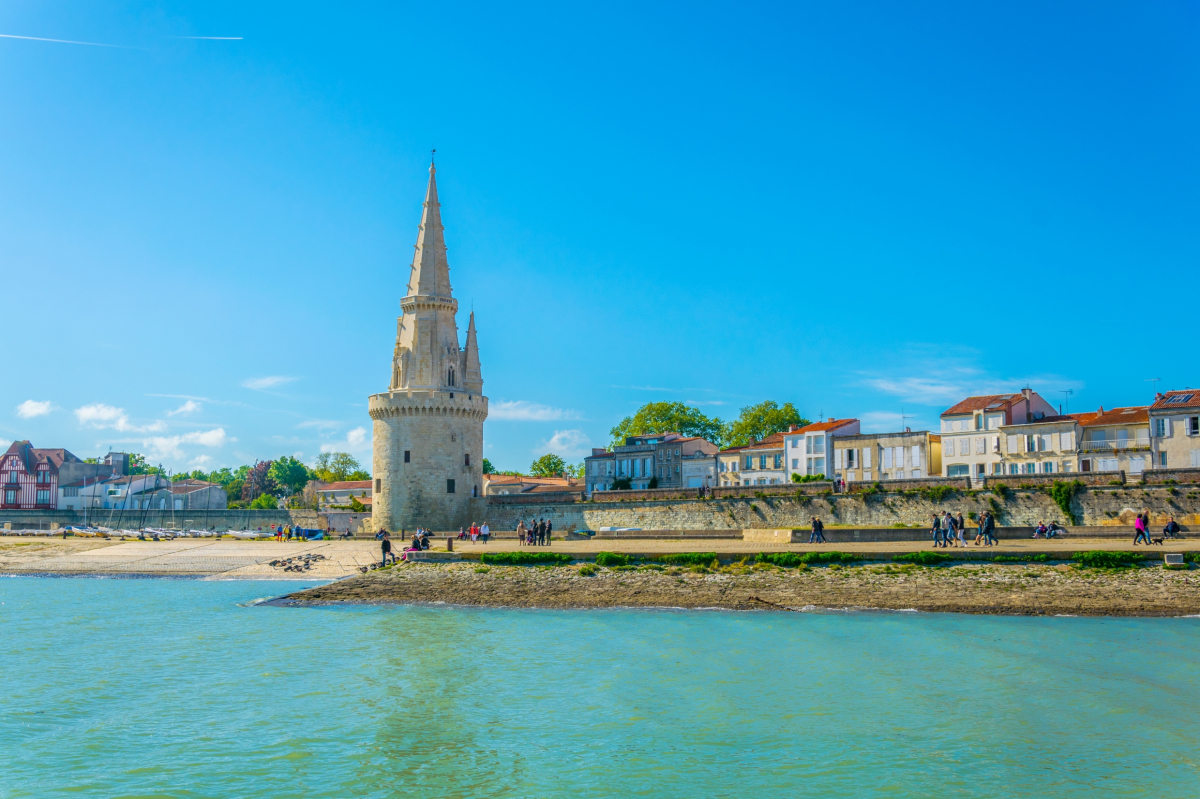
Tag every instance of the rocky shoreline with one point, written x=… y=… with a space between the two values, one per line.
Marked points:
x=966 y=588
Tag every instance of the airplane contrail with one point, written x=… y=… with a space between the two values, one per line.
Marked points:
x=64 y=41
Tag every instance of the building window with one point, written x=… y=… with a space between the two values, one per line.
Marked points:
x=10 y=497
x=70 y=492
x=958 y=470
x=1193 y=426
x=43 y=496
x=467 y=459
x=1162 y=459
x=795 y=463
x=43 y=476
x=407 y=456
x=449 y=486
x=378 y=482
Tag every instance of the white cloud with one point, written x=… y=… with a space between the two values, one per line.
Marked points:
x=705 y=402
x=103 y=416
x=261 y=383
x=356 y=440
x=525 y=411
x=169 y=446
x=31 y=408
x=922 y=390
x=321 y=424
x=889 y=422
x=200 y=461
x=4 y=444
x=566 y=443
x=191 y=406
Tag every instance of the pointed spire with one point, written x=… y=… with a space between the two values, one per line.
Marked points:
x=430 y=271
x=472 y=375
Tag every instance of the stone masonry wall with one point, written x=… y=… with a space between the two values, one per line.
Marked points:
x=1092 y=507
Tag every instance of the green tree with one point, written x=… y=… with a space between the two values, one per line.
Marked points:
x=576 y=470
x=290 y=474
x=264 y=502
x=335 y=467
x=488 y=468
x=138 y=465
x=667 y=417
x=756 y=422
x=549 y=465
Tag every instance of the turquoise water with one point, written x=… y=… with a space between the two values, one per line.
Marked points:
x=182 y=688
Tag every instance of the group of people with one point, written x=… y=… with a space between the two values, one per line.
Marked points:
x=536 y=534
x=476 y=532
x=950 y=530
x=420 y=542
x=1141 y=529
x=818 y=531
x=1052 y=531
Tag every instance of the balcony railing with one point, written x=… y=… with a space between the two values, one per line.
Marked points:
x=1120 y=445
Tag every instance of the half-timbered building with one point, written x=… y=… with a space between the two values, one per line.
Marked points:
x=29 y=476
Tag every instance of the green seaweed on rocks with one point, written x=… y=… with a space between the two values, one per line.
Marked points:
x=688 y=558
x=524 y=558
x=790 y=560
x=923 y=558
x=1102 y=559
x=1041 y=557
x=611 y=559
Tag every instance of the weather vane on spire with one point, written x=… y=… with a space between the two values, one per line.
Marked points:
x=431 y=154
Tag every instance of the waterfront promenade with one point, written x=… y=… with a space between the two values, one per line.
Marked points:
x=235 y=559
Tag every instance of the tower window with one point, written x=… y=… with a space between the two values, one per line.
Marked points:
x=451 y=377
x=407 y=456
x=449 y=486
x=467 y=459
x=377 y=483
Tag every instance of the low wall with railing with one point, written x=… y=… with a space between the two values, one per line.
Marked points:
x=1017 y=481
x=1167 y=476
x=911 y=484
x=812 y=489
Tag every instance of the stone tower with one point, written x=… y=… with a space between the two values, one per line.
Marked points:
x=428 y=425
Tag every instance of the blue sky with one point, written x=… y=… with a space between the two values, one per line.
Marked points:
x=866 y=209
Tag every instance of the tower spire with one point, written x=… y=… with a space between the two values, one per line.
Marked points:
x=430 y=271
x=472 y=375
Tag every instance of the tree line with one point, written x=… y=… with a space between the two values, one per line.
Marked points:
x=265 y=483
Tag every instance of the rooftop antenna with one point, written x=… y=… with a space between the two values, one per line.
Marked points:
x=1153 y=381
x=1067 y=392
x=904 y=419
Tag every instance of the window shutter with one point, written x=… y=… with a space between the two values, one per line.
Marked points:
x=867 y=457
x=887 y=458
x=1166 y=428
x=916 y=455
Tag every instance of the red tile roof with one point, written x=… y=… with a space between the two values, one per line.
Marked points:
x=820 y=427
x=1135 y=415
x=993 y=402
x=1171 y=400
x=345 y=484
x=773 y=441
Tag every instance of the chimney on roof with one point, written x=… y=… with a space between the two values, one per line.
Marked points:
x=908 y=429
x=791 y=428
x=1157 y=396
x=1026 y=392
x=831 y=419
x=1101 y=411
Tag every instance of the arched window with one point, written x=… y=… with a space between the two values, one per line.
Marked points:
x=451 y=376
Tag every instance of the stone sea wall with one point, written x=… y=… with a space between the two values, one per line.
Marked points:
x=1114 y=506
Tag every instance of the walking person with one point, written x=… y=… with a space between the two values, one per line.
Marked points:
x=385 y=545
x=961 y=527
x=818 y=531
x=520 y=532
x=541 y=532
x=989 y=530
x=947 y=529
x=1139 y=530
x=936 y=529
x=484 y=532
x=549 y=530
